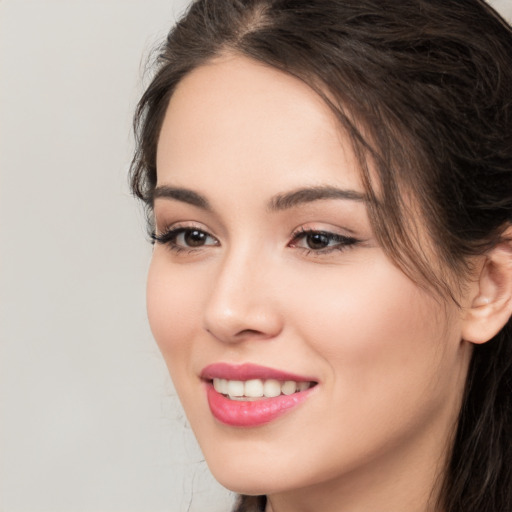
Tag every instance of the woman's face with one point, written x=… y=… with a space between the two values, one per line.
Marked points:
x=266 y=278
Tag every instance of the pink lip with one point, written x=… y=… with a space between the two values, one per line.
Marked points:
x=248 y=371
x=239 y=413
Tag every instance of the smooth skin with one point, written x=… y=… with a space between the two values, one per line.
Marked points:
x=245 y=279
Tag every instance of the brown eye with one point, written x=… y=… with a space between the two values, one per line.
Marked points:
x=317 y=241
x=194 y=238
x=185 y=238
x=322 y=242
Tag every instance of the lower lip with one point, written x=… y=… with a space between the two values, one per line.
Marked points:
x=239 y=413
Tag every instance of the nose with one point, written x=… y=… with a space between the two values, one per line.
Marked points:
x=243 y=303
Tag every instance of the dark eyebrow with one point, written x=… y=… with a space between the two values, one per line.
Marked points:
x=278 y=202
x=182 y=194
x=310 y=194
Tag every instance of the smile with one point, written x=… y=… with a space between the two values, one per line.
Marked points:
x=255 y=389
x=250 y=395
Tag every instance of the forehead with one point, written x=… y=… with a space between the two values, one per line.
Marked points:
x=244 y=121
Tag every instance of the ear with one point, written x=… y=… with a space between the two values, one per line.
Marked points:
x=490 y=304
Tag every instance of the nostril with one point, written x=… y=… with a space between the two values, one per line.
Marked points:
x=250 y=332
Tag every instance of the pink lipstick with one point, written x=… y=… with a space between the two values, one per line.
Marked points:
x=249 y=395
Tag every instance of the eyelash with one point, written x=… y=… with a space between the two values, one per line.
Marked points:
x=169 y=237
x=341 y=242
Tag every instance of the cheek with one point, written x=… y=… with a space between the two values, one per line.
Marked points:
x=382 y=337
x=173 y=305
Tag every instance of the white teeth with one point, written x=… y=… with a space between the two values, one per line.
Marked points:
x=303 y=386
x=221 y=386
x=289 y=387
x=235 y=388
x=271 y=388
x=258 y=388
x=254 y=388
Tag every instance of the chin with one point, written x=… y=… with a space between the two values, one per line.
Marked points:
x=249 y=469
x=246 y=482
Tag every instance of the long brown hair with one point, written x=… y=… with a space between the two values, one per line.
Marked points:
x=423 y=88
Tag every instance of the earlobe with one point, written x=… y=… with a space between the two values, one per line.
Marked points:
x=491 y=305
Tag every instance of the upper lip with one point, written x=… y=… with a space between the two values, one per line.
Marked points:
x=248 y=371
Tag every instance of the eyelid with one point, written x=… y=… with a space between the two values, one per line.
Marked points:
x=306 y=229
x=343 y=242
x=172 y=226
x=167 y=236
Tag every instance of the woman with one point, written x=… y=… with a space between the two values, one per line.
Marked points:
x=329 y=189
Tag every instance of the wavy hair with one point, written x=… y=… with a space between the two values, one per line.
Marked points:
x=423 y=88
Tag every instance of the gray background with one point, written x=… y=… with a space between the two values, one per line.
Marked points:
x=89 y=420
